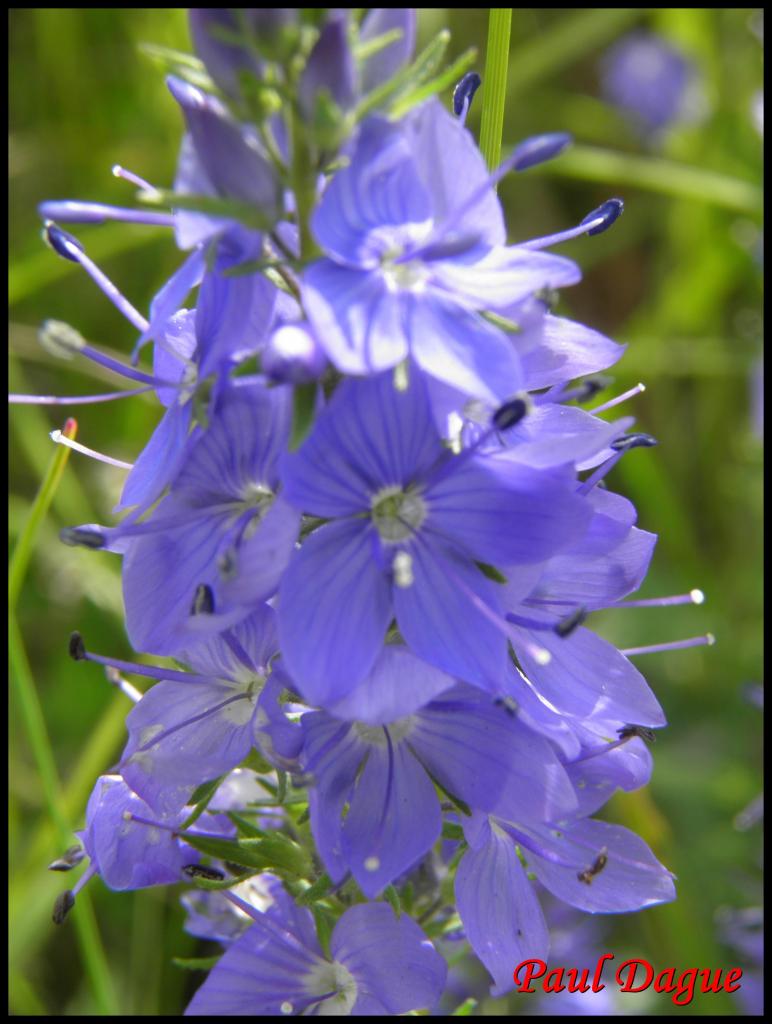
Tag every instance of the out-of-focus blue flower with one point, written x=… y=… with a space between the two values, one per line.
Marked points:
x=647 y=78
x=378 y=964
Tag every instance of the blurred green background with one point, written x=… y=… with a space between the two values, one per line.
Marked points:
x=678 y=280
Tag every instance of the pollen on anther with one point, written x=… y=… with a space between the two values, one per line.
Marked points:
x=372 y=863
x=710 y=639
x=697 y=596
x=286 y=1008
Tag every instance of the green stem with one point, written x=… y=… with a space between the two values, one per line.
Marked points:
x=23 y=550
x=303 y=187
x=94 y=959
x=495 y=84
x=657 y=175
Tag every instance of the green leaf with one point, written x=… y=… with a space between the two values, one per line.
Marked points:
x=246 y=829
x=362 y=51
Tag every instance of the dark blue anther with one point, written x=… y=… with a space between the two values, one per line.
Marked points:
x=510 y=413
x=464 y=91
x=63 y=904
x=203 y=602
x=62 y=242
x=539 y=149
x=76 y=647
x=82 y=537
x=633 y=441
x=609 y=211
x=590 y=387
x=567 y=625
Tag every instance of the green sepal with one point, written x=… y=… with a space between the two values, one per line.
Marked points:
x=491 y=572
x=447 y=78
x=325 y=924
x=303 y=408
x=317 y=891
x=200 y=799
x=391 y=896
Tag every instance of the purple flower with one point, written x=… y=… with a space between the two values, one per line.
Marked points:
x=410 y=525
x=594 y=866
x=414 y=238
x=222 y=526
x=378 y=964
x=129 y=853
x=186 y=731
x=382 y=770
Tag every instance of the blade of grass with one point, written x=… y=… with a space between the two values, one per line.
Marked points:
x=495 y=84
x=23 y=550
x=92 y=952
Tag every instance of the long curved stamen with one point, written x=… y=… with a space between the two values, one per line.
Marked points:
x=73 y=212
x=621 y=445
x=677 y=645
x=114 y=678
x=109 y=396
x=594 y=223
x=637 y=390
x=693 y=597
x=134 y=179
x=70 y=248
x=79 y=653
x=59 y=438
x=63 y=341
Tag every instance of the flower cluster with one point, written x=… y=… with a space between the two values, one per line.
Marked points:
x=371 y=524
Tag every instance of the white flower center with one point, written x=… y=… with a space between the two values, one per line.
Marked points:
x=397 y=514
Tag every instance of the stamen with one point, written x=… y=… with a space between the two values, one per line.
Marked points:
x=201 y=871
x=539 y=149
x=82 y=537
x=203 y=602
x=693 y=597
x=637 y=390
x=64 y=903
x=628 y=441
x=79 y=653
x=567 y=625
x=463 y=94
x=61 y=340
x=115 y=679
x=121 y=172
x=621 y=445
x=593 y=224
x=595 y=868
x=59 y=438
x=641 y=731
x=69 y=859
x=109 y=396
x=72 y=212
x=71 y=249
x=677 y=645
x=510 y=413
